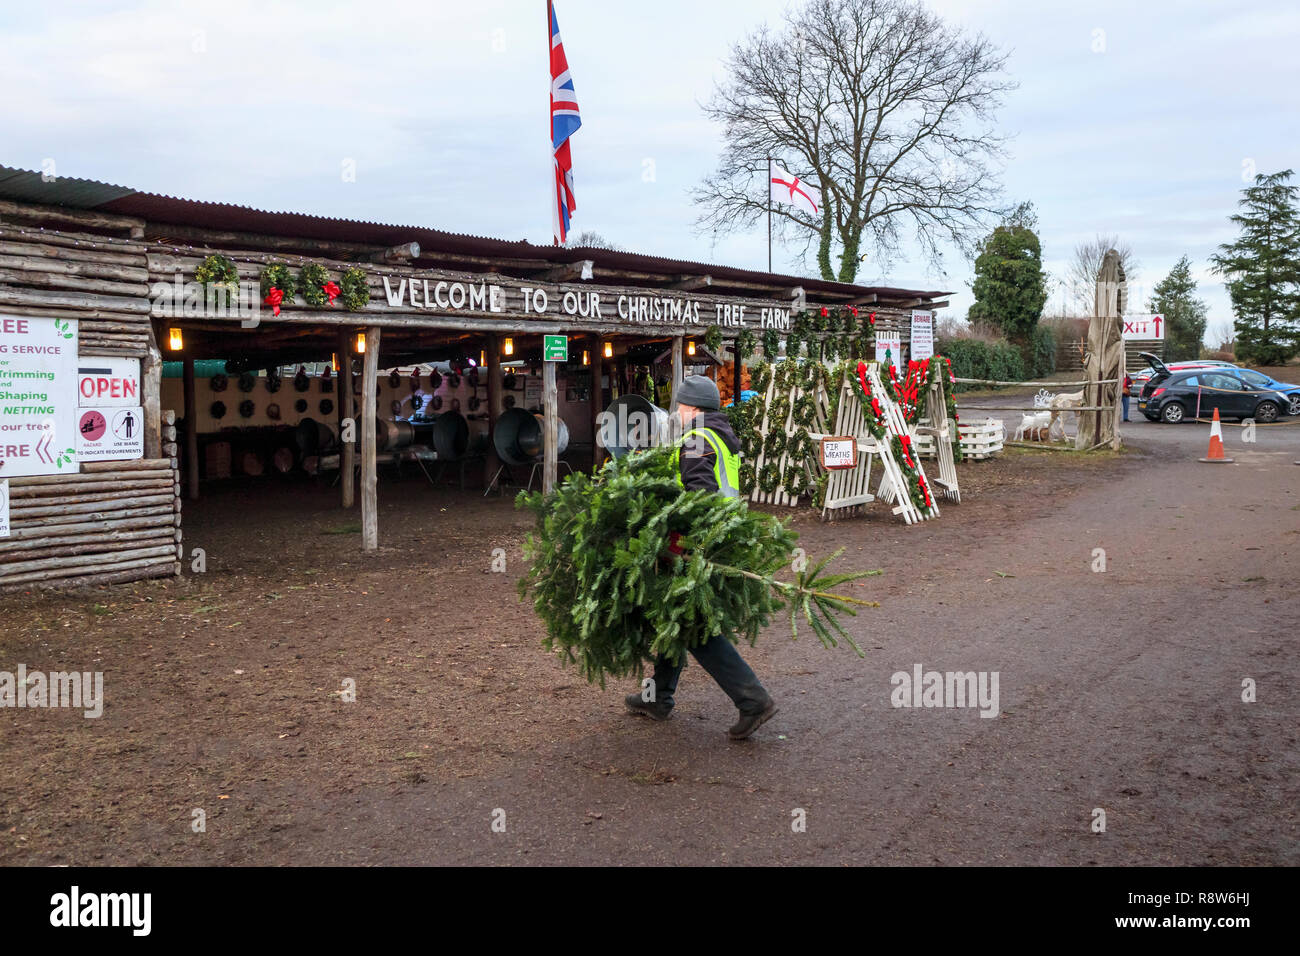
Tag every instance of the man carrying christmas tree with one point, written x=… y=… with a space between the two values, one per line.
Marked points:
x=708 y=460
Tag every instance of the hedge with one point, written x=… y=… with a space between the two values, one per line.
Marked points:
x=972 y=358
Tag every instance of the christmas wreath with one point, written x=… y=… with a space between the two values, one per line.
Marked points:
x=273 y=380
x=246 y=408
x=760 y=376
x=394 y=379
x=326 y=406
x=247 y=381
x=747 y=478
x=219 y=382
x=713 y=339
x=312 y=280
x=217 y=410
x=780 y=411
x=775 y=444
x=769 y=478
x=805 y=410
x=796 y=481
x=771 y=344
x=301 y=383
x=218 y=270
x=745 y=343
x=278 y=286
x=354 y=289
x=300 y=406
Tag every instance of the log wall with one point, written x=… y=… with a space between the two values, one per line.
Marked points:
x=112 y=521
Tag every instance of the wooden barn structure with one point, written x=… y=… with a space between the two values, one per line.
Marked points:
x=116 y=273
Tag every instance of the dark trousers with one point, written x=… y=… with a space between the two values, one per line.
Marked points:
x=1125 y=397
x=724 y=664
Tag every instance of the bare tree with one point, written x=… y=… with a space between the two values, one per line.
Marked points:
x=590 y=239
x=880 y=103
x=1081 y=274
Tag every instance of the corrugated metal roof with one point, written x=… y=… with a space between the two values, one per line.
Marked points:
x=27 y=186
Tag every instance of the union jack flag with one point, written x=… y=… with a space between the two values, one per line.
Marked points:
x=564 y=123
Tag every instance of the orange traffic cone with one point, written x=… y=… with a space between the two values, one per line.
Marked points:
x=1215 y=454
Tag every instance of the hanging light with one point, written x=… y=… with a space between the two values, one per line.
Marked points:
x=334 y=362
x=175 y=340
x=361 y=343
x=586 y=357
x=609 y=350
x=508 y=347
x=482 y=358
x=690 y=347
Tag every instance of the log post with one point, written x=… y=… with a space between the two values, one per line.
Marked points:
x=347 y=411
x=191 y=433
x=597 y=401
x=737 y=373
x=151 y=397
x=678 y=369
x=369 y=496
x=551 y=421
x=494 y=403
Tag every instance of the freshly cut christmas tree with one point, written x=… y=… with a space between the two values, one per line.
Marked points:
x=627 y=566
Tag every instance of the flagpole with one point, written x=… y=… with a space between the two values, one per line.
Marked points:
x=769 y=214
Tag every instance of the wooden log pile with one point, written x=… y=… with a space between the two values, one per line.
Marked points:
x=115 y=521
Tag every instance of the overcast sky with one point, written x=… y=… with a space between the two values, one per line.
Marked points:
x=1140 y=119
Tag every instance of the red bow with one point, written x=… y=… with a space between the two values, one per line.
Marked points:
x=673 y=546
x=873 y=318
x=273 y=299
x=824 y=312
x=862 y=377
x=854 y=310
x=332 y=290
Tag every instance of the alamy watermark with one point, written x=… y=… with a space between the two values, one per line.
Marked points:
x=75 y=689
x=923 y=688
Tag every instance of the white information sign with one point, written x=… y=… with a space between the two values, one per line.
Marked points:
x=1142 y=326
x=108 y=381
x=922 y=336
x=110 y=433
x=891 y=342
x=4 y=507
x=38 y=396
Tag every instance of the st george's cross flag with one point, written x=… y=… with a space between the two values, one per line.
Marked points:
x=564 y=123
x=793 y=191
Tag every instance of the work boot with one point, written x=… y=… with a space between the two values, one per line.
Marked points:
x=748 y=723
x=652 y=709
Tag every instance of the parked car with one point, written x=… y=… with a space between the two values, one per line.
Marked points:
x=1172 y=395
x=1140 y=378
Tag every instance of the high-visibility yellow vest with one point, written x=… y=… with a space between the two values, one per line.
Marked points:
x=726 y=463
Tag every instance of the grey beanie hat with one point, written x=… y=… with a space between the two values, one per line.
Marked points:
x=698 y=392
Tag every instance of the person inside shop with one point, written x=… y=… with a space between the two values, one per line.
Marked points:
x=708 y=460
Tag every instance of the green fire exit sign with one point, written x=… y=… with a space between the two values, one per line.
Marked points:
x=555 y=348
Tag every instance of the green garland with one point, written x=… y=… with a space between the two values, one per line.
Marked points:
x=279 y=276
x=219 y=271
x=713 y=339
x=355 y=291
x=311 y=279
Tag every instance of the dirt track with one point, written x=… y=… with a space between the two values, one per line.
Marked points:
x=1119 y=690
